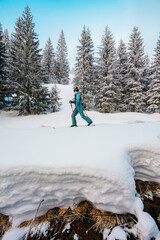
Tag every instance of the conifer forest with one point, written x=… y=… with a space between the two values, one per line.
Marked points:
x=122 y=79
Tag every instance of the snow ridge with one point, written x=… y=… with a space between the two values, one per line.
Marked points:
x=146 y=163
x=23 y=189
x=64 y=166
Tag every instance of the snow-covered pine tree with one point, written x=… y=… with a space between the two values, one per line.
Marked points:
x=8 y=91
x=147 y=74
x=154 y=87
x=108 y=92
x=136 y=98
x=14 y=64
x=62 y=64
x=53 y=69
x=55 y=99
x=85 y=69
x=90 y=73
x=26 y=75
x=123 y=70
x=6 y=40
x=47 y=60
x=3 y=87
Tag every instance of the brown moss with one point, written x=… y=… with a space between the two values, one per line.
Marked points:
x=86 y=221
x=5 y=224
x=143 y=187
x=84 y=207
x=45 y=218
x=110 y=220
x=82 y=210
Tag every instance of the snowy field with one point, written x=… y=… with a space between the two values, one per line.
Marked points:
x=41 y=157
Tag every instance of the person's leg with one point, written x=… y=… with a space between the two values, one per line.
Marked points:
x=75 y=112
x=87 y=119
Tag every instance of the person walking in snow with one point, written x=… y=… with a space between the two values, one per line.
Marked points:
x=78 y=109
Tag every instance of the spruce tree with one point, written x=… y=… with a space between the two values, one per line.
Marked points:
x=123 y=71
x=147 y=74
x=62 y=64
x=16 y=87
x=48 y=55
x=55 y=99
x=85 y=69
x=3 y=87
x=154 y=87
x=26 y=75
x=6 y=40
x=108 y=96
x=136 y=100
x=53 y=69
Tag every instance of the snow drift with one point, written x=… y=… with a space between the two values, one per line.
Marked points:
x=42 y=158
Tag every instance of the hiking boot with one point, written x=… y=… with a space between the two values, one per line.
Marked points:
x=90 y=123
x=73 y=125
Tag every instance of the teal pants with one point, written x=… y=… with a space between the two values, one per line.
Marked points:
x=79 y=110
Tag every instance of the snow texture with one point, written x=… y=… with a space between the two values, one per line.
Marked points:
x=15 y=233
x=75 y=237
x=146 y=227
x=67 y=227
x=117 y=233
x=42 y=158
x=105 y=233
x=40 y=229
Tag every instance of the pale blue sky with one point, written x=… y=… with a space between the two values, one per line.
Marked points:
x=50 y=16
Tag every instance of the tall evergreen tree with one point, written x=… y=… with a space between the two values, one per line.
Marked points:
x=6 y=42
x=55 y=99
x=3 y=86
x=26 y=75
x=53 y=69
x=62 y=64
x=108 y=95
x=147 y=74
x=123 y=70
x=135 y=87
x=85 y=70
x=6 y=39
x=154 y=87
x=48 y=55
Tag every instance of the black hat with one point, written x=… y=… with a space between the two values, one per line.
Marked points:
x=76 y=89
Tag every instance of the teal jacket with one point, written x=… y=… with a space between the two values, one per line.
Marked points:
x=77 y=101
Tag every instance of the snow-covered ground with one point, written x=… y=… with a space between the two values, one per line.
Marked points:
x=41 y=157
